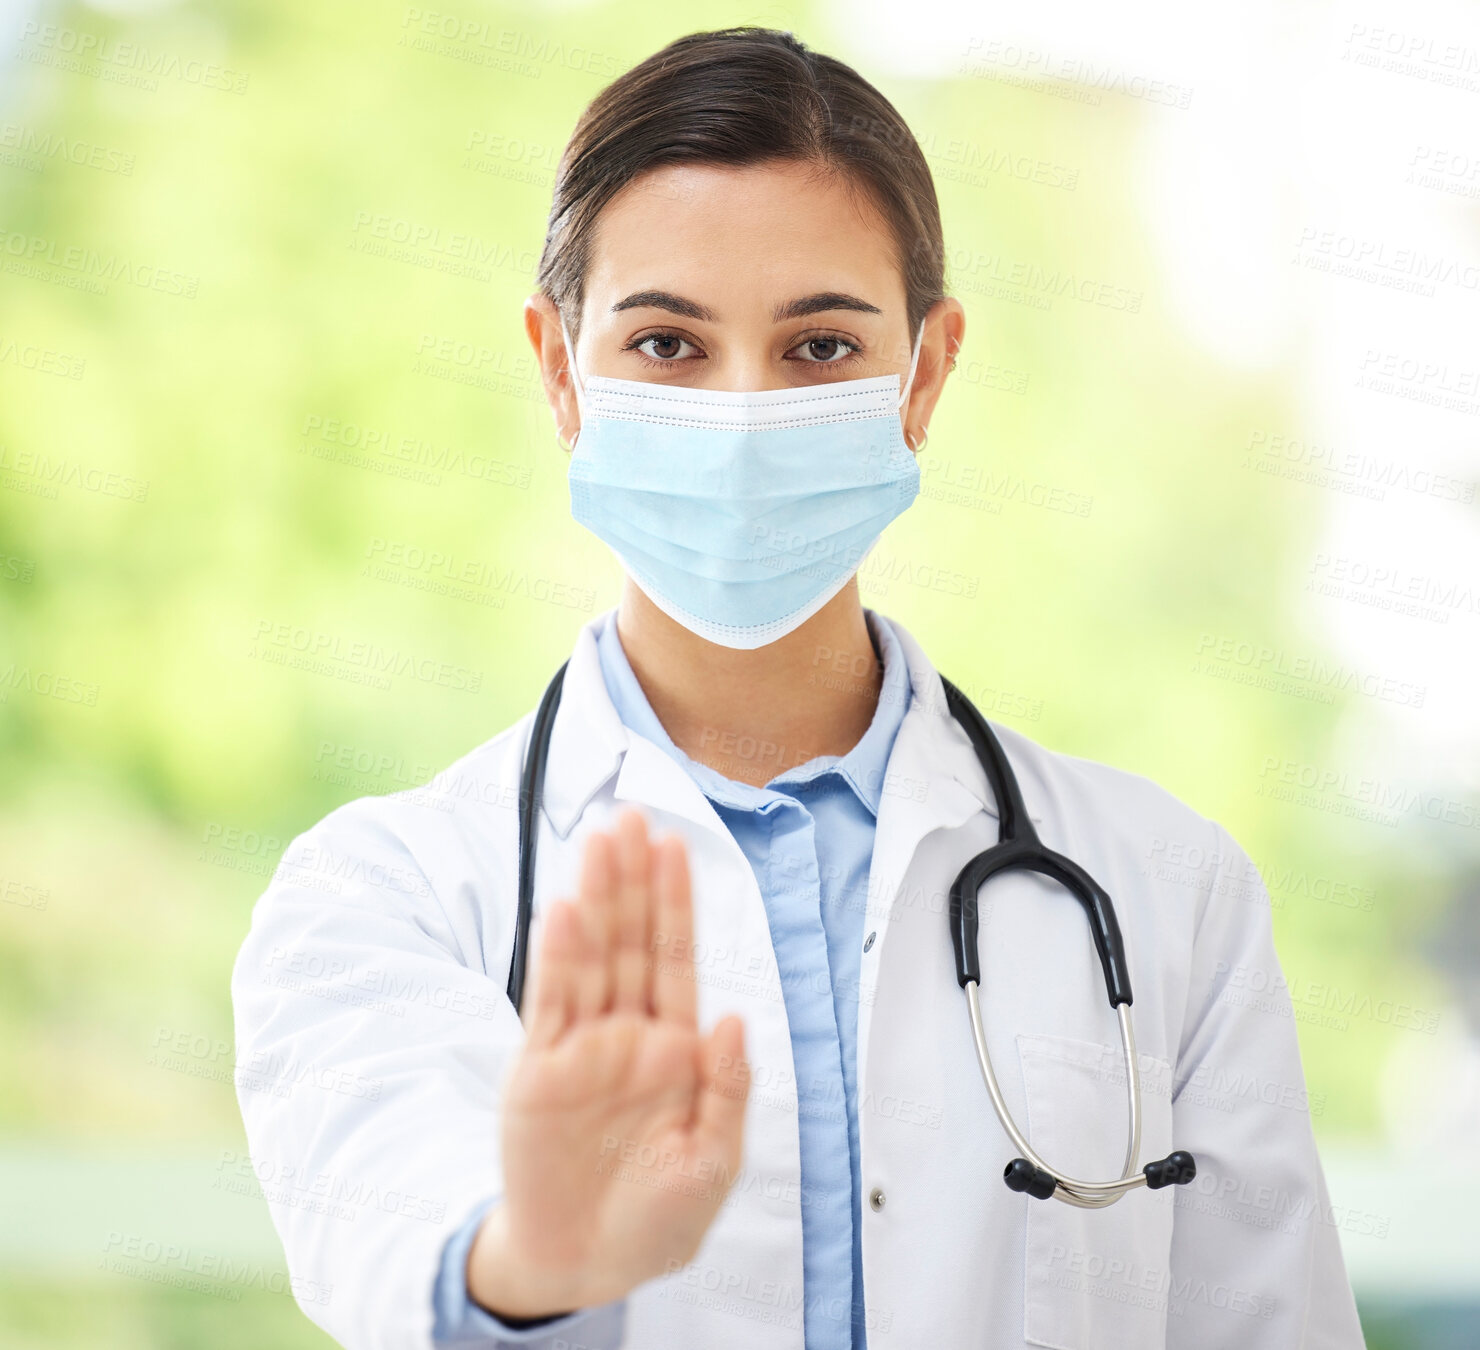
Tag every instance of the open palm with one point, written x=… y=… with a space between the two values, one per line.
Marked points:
x=622 y=1125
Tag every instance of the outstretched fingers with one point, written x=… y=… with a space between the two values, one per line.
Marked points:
x=724 y=1086
x=632 y=935
x=626 y=943
x=675 y=997
x=597 y=909
x=553 y=981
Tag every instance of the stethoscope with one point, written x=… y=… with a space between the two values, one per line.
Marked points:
x=1018 y=849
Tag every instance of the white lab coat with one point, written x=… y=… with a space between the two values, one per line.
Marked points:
x=373 y=1034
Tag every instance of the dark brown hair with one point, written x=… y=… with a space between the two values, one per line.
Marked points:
x=740 y=96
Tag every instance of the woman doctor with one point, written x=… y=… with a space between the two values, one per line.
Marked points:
x=743 y=1105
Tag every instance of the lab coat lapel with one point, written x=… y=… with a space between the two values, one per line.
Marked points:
x=589 y=743
x=933 y=782
x=651 y=776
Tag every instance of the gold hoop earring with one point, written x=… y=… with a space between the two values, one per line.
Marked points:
x=560 y=440
x=925 y=436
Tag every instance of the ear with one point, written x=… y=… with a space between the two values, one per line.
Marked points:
x=945 y=328
x=542 y=325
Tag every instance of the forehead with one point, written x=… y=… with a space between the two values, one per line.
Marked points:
x=757 y=234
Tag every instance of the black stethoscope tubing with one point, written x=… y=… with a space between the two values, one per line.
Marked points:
x=1018 y=848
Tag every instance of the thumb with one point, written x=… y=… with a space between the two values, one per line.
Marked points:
x=724 y=1086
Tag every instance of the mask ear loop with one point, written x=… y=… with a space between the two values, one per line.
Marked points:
x=575 y=379
x=909 y=379
x=905 y=391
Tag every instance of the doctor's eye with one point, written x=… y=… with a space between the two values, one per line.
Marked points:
x=667 y=348
x=826 y=351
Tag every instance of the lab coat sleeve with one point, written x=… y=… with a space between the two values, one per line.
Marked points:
x=1255 y=1259
x=371 y=1052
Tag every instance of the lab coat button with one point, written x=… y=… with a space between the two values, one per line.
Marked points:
x=876 y=1199
x=869 y=941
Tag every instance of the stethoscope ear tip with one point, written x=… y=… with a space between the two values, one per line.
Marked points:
x=1176 y=1169
x=1021 y=1175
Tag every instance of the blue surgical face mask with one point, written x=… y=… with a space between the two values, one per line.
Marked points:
x=741 y=514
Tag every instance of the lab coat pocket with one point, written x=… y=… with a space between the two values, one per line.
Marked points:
x=1094 y=1277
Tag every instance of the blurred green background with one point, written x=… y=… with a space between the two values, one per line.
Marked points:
x=259 y=315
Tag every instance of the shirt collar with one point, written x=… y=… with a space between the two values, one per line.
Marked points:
x=862 y=768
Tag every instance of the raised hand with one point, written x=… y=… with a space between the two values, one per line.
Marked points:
x=622 y=1125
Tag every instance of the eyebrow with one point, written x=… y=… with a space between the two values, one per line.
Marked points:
x=819 y=303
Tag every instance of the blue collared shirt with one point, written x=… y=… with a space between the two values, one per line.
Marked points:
x=809 y=837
